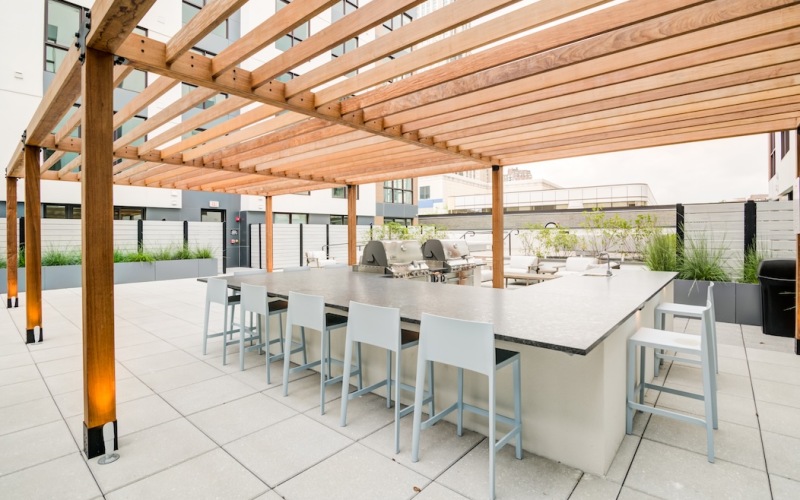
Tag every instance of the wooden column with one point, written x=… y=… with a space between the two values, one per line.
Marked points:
x=12 y=242
x=497 y=226
x=268 y=239
x=352 y=221
x=33 y=246
x=797 y=260
x=97 y=248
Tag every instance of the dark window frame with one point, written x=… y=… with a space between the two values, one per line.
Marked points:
x=785 y=138
x=52 y=44
x=203 y=3
x=295 y=36
x=402 y=188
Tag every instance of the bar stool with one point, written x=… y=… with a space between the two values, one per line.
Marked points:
x=380 y=326
x=707 y=320
x=470 y=345
x=217 y=293
x=308 y=311
x=254 y=299
x=681 y=343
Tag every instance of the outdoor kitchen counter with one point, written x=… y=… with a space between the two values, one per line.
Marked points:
x=572 y=314
x=571 y=333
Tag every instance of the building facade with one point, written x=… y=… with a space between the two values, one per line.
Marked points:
x=784 y=156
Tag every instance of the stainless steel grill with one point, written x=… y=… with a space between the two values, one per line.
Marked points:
x=454 y=260
x=396 y=258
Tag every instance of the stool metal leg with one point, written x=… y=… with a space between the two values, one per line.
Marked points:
x=492 y=440
x=708 y=400
x=629 y=411
x=659 y=325
x=518 y=406
x=460 y=401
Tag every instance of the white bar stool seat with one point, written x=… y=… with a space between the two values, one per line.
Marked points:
x=682 y=343
x=217 y=293
x=380 y=326
x=255 y=300
x=707 y=320
x=308 y=311
x=467 y=345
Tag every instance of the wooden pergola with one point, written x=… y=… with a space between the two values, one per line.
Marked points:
x=513 y=83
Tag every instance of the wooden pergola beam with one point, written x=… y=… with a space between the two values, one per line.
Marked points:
x=498 y=226
x=149 y=55
x=12 y=243
x=58 y=99
x=113 y=21
x=203 y=23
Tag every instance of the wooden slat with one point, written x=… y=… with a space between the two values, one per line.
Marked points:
x=363 y=18
x=266 y=33
x=58 y=99
x=435 y=23
x=538 y=14
x=497 y=227
x=203 y=23
x=269 y=240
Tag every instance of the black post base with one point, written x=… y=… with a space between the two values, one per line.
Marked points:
x=12 y=302
x=30 y=337
x=93 y=444
x=797 y=346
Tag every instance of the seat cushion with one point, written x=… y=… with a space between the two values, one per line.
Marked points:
x=334 y=320
x=277 y=306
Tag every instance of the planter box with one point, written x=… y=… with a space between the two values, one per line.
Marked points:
x=54 y=277
x=176 y=269
x=695 y=292
x=134 y=272
x=748 y=304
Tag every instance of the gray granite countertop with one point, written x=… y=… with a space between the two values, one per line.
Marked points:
x=571 y=314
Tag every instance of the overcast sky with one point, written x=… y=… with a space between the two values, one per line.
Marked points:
x=697 y=172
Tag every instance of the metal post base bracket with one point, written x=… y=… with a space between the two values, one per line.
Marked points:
x=94 y=445
x=30 y=335
x=12 y=302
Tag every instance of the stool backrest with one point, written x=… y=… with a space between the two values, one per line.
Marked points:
x=217 y=291
x=375 y=325
x=306 y=310
x=710 y=300
x=254 y=298
x=467 y=344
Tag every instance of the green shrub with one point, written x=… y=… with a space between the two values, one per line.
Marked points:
x=56 y=257
x=204 y=252
x=183 y=253
x=659 y=253
x=699 y=262
x=132 y=256
x=752 y=258
x=164 y=253
x=2 y=263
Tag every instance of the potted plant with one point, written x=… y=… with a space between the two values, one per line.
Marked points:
x=748 y=289
x=698 y=265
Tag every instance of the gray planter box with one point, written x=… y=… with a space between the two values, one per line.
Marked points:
x=134 y=272
x=206 y=267
x=695 y=292
x=176 y=269
x=748 y=304
x=55 y=277
x=3 y=281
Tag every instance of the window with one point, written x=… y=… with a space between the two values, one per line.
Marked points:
x=287 y=76
x=281 y=218
x=294 y=37
x=398 y=191
x=129 y=125
x=343 y=8
x=772 y=159
x=338 y=220
x=136 y=80
x=341 y=192
x=405 y=222
x=425 y=192
x=188 y=87
x=190 y=8
x=397 y=22
x=347 y=46
x=63 y=21
x=128 y=213
x=784 y=142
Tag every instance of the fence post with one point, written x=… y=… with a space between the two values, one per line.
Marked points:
x=750 y=224
x=679 y=218
x=301 y=244
x=327 y=241
x=140 y=235
x=186 y=234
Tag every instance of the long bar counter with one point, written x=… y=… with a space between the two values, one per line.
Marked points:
x=571 y=332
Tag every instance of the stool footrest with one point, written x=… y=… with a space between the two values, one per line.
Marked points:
x=670 y=357
x=667 y=413
x=670 y=390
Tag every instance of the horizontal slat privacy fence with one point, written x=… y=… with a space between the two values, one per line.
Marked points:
x=164 y=234
x=3 y=240
x=775 y=234
x=721 y=226
x=126 y=235
x=207 y=235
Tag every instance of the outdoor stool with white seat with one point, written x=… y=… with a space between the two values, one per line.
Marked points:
x=682 y=343
x=380 y=326
x=475 y=351
x=254 y=300
x=308 y=311
x=707 y=320
x=217 y=293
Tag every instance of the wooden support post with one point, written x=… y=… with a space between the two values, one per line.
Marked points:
x=268 y=239
x=497 y=226
x=97 y=248
x=12 y=243
x=797 y=261
x=33 y=246
x=352 y=221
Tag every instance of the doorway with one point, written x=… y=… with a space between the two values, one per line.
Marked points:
x=218 y=215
